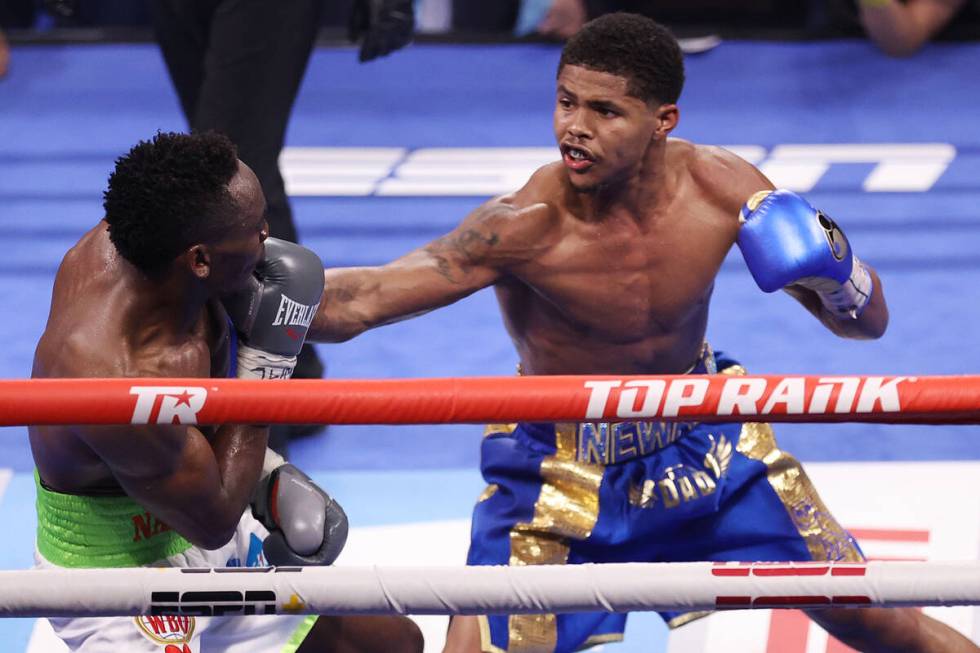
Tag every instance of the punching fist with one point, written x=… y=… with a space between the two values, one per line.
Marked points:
x=786 y=241
x=306 y=526
x=384 y=25
x=273 y=314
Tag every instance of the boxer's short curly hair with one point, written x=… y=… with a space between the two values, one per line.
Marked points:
x=634 y=47
x=169 y=193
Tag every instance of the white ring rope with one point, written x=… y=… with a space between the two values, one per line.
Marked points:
x=485 y=590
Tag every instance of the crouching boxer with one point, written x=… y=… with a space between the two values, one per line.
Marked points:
x=139 y=296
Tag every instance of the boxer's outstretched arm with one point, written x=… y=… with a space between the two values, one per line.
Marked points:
x=197 y=486
x=484 y=247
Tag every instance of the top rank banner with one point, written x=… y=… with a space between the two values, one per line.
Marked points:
x=701 y=398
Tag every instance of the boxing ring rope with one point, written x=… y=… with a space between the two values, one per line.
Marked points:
x=487 y=590
x=705 y=398
x=620 y=587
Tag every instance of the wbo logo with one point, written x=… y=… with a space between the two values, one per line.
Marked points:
x=167 y=404
x=167 y=630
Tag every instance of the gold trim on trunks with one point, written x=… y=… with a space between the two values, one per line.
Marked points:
x=825 y=538
x=494 y=429
x=686 y=618
x=499 y=429
x=488 y=492
x=485 y=645
x=597 y=640
x=567 y=508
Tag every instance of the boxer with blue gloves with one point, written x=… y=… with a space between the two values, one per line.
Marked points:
x=788 y=244
x=785 y=240
x=604 y=263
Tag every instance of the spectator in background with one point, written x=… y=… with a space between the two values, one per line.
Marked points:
x=563 y=19
x=237 y=67
x=13 y=13
x=555 y=18
x=4 y=54
x=902 y=28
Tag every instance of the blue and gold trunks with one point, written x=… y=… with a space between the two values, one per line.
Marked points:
x=639 y=492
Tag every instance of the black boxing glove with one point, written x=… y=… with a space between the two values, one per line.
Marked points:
x=385 y=25
x=273 y=313
x=306 y=526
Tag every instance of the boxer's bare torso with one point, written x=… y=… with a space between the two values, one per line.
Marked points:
x=587 y=283
x=107 y=321
x=110 y=319
x=602 y=263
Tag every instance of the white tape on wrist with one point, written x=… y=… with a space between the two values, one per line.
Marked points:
x=271 y=462
x=849 y=299
x=257 y=364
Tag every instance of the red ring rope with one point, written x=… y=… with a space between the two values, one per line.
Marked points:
x=707 y=398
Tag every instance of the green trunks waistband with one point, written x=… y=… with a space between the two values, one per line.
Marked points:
x=93 y=531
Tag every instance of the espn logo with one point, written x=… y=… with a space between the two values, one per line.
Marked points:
x=213 y=603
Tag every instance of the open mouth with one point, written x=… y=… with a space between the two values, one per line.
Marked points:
x=577 y=158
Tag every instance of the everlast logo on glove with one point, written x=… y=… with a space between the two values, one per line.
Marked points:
x=273 y=314
x=293 y=313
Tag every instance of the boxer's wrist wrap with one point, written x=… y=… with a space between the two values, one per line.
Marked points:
x=257 y=364
x=271 y=462
x=846 y=300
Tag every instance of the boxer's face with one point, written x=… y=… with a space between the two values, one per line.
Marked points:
x=603 y=131
x=235 y=255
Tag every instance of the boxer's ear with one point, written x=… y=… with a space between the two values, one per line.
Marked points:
x=197 y=258
x=667 y=118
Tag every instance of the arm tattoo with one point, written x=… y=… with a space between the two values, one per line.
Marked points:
x=337 y=294
x=471 y=246
x=474 y=245
x=442 y=264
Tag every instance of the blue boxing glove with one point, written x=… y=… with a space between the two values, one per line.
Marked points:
x=786 y=241
x=306 y=526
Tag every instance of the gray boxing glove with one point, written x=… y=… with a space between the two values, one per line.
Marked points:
x=306 y=526
x=273 y=313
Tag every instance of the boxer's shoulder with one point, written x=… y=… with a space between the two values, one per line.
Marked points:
x=716 y=175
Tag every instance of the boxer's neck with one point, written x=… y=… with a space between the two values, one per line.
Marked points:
x=173 y=303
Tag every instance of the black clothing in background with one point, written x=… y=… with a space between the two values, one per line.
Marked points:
x=237 y=67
